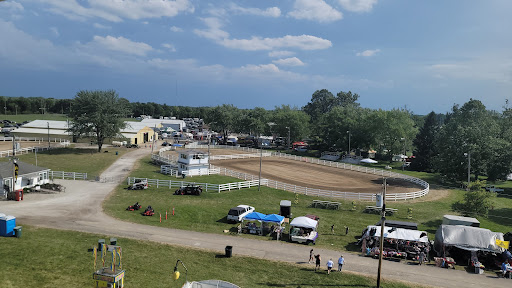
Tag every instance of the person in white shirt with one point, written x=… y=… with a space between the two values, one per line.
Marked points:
x=341 y=261
x=329 y=266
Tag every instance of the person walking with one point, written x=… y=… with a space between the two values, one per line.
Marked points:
x=317 y=261
x=329 y=266
x=421 y=257
x=341 y=261
x=310 y=256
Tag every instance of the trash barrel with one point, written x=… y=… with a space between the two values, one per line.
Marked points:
x=17 y=196
x=229 y=251
x=117 y=153
x=17 y=231
x=113 y=241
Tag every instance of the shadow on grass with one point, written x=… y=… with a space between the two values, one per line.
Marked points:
x=434 y=224
x=224 y=220
x=64 y=151
x=316 y=284
x=500 y=216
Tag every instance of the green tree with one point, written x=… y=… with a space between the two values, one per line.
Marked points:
x=322 y=101
x=425 y=144
x=476 y=201
x=296 y=120
x=469 y=129
x=346 y=99
x=98 y=114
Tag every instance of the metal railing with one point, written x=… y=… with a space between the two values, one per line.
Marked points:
x=67 y=175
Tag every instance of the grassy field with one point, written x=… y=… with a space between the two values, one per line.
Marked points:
x=54 y=258
x=207 y=212
x=74 y=159
x=48 y=116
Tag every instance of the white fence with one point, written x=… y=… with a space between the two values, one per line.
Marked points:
x=35 y=139
x=239 y=156
x=171 y=170
x=320 y=192
x=8 y=153
x=208 y=187
x=67 y=175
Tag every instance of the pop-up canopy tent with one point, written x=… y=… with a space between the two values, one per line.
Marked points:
x=397 y=233
x=368 y=161
x=274 y=218
x=304 y=222
x=255 y=216
x=467 y=238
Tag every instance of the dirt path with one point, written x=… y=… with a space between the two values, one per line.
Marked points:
x=316 y=176
x=79 y=209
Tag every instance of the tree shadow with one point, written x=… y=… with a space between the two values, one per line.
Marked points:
x=76 y=151
x=500 y=216
x=433 y=223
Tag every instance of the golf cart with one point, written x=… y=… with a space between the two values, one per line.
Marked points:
x=190 y=189
x=303 y=230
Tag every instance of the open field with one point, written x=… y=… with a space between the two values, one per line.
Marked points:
x=73 y=159
x=316 y=176
x=54 y=258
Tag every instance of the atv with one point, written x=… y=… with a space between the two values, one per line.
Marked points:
x=189 y=190
x=139 y=184
x=149 y=211
x=133 y=207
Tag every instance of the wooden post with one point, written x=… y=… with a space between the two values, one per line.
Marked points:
x=382 y=225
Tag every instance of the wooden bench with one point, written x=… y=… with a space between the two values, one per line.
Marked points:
x=326 y=204
x=377 y=210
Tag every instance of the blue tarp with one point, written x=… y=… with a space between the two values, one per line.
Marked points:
x=177 y=145
x=274 y=218
x=255 y=216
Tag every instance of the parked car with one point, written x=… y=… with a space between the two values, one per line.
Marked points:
x=492 y=188
x=239 y=212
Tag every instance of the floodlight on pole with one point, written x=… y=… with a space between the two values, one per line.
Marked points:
x=469 y=169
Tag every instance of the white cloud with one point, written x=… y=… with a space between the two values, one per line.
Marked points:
x=282 y=53
x=489 y=69
x=120 y=44
x=269 y=12
x=303 y=42
x=117 y=10
x=214 y=31
x=145 y=22
x=293 y=61
x=12 y=6
x=101 y=26
x=368 y=53
x=55 y=31
x=170 y=47
x=357 y=5
x=176 y=29
x=315 y=10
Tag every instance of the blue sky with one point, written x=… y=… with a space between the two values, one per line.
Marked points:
x=421 y=55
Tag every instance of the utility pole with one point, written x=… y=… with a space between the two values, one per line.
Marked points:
x=48 y=123
x=348 y=132
x=382 y=225
x=469 y=168
x=289 y=144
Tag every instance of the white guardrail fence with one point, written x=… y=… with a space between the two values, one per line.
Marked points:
x=313 y=191
x=9 y=153
x=208 y=187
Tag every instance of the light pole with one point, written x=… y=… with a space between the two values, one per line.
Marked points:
x=403 y=164
x=348 y=132
x=288 y=127
x=382 y=225
x=261 y=154
x=469 y=168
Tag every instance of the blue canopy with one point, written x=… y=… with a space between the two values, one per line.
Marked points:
x=255 y=216
x=274 y=218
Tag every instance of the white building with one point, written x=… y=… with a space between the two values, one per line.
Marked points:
x=28 y=176
x=193 y=163
x=175 y=124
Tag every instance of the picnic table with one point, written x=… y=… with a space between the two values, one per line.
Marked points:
x=326 y=204
x=377 y=210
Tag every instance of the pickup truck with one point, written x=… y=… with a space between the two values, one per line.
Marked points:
x=237 y=214
x=492 y=188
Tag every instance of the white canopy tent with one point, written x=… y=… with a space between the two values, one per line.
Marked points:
x=304 y=222
x=398 y=233
x=368 y=161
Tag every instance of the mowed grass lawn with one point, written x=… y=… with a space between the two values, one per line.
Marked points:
x=207 y=213
x=74 y=160
x=54 y=258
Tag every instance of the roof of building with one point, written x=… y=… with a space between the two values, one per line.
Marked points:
x=134 y=127
x=6 y=169
x=43 y=124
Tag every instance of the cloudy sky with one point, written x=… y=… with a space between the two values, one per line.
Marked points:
x=419 y=55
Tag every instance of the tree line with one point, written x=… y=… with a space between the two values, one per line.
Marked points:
x=441 y=143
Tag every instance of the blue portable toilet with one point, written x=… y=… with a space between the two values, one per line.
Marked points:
x=7 y=224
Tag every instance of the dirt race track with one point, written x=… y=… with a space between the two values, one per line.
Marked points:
x=316 y=176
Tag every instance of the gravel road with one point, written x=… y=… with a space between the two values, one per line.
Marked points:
x=79 y=209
